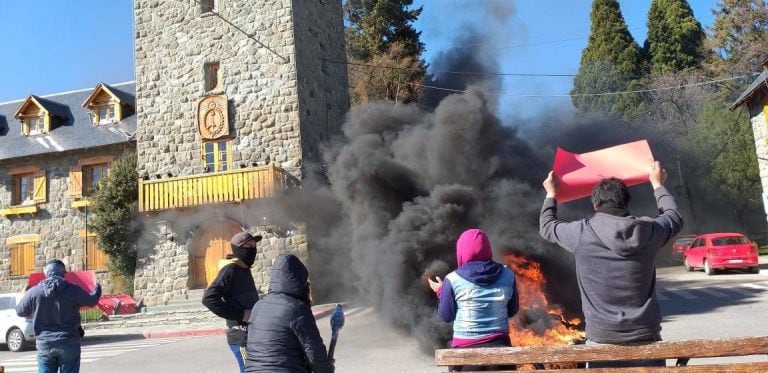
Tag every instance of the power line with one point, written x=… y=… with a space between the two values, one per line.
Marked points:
x=447 y=71
x=583 y=94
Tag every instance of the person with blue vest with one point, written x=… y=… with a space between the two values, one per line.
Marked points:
x=479 y=297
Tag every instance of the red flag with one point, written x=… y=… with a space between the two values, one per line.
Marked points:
x=577 y=174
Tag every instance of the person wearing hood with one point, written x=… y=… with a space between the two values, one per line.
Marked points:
x=615 y=254
x=233 y=292
x=283 y=335
x=479 y=297
x=54 y=305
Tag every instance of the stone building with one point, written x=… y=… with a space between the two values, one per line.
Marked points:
x=54 y=149
x=234 y=102
x=755 y=99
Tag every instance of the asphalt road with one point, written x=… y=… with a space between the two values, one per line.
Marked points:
x=695 y=306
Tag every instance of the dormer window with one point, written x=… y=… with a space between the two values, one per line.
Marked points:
x=34 y=125
x=107 y=105
x=106 y=112
x=38 y=115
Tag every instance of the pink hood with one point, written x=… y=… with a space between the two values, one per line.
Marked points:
x=473 y=245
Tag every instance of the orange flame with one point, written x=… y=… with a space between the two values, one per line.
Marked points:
x=552 y=326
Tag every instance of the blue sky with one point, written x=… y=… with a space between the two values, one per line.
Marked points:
x=52 y=46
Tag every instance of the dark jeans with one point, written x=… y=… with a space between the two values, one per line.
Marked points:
x=623 y=364
x=50 y=359
x=474 y=368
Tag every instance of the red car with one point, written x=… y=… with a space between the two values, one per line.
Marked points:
x=715 y=251
x=681 y=244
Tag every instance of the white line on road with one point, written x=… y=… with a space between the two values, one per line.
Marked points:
x=684 y=294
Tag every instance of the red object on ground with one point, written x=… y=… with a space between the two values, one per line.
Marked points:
x=84 y=279
x=116 y=304
x=577 y=174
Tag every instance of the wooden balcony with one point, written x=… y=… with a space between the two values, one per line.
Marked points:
x=215 y=187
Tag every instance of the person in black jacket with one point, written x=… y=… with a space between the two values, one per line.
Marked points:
x=233 y=293
x=283 y=336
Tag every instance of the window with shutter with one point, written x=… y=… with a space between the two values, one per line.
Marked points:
x=22 y=258
x=95 y=258
x=40 y=187
x=23 y=189
x=76 y=181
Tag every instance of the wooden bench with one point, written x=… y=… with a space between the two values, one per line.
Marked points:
x=577 y=355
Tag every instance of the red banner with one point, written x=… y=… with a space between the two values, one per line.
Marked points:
x=577 y=174
x=84 y=279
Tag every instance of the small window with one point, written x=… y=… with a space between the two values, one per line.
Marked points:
x=7 y=303
x=22 y=258
x=36 y=124
x=208 y=6
x=92 y=175
x=95 y=258
x=212 y=77
x=216 y=156
x=23 y=188
x=106 y=112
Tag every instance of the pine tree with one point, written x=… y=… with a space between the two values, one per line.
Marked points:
x=380 y=32
x=611 y=62
x=738 y=37
x=374 y=25
x=675 y=38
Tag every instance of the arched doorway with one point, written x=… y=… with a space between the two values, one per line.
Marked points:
x=211 y=244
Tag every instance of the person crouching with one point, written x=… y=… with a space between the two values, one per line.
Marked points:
x=478 y=297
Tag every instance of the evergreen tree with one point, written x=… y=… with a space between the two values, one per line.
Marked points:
x=374 y=25
x=380 y=32
x=738 y=37
x=611 y=62
x=675 y=38
x=115 y=207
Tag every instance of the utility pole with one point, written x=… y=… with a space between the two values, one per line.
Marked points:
x=687 y=192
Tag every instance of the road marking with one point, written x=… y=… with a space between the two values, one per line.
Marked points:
x=755 y=286
x=88 y=353
x=684 y=294
x=713 y=291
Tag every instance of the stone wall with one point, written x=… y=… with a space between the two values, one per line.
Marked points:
x=174 y=40
x=57 y=222
x=322 y=80
x=163 y=268
x=760 y=132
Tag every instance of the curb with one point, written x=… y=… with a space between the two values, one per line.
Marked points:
x=318 y=311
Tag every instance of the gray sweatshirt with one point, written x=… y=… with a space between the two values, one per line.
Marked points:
x=615 y=267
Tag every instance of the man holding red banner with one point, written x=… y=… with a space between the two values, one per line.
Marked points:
x=615 y=254
x=54 y=305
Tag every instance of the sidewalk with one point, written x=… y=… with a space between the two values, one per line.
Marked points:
x=189 y=330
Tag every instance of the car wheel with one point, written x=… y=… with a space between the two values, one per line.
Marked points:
x=707 y=269
x=755 y=269
x=15 y=339
x=688 y=266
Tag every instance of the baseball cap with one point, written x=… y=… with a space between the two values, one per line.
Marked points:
x=245 y=239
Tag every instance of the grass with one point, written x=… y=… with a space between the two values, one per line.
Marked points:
x=763 y=250
x=90 y=315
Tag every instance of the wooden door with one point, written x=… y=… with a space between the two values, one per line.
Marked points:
x=211 y=244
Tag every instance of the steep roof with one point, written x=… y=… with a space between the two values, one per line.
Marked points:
x=76 y=131
x=759 y=85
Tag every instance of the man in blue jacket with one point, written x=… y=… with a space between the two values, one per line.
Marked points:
x=54 y=305
x=615 y=254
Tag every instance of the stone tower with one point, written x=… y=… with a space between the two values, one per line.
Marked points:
x=234 y=99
